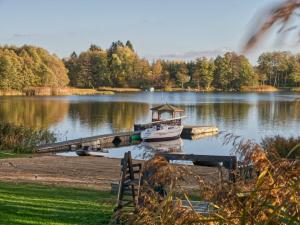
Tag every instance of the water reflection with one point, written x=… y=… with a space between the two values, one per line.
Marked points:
x=120 y=116
x=33 y=112
x=149 y=149
x=278 y=112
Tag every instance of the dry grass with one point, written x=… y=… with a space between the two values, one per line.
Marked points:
x=119 y=90
x=270 y=197
x=11 y=93
x=278 y=15
x=79 y=91
x=47 y=91
x=261 y=88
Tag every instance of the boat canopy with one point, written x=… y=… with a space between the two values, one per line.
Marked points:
x=158 y=110
x=166 y=108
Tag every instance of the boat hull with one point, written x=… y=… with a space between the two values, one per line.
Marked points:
x=164 y=133
x=161 y=139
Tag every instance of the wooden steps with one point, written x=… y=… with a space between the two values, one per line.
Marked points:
x=129 y=185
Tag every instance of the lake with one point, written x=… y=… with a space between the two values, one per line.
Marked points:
x=251 y=115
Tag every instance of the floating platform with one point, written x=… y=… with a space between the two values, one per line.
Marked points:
x=198 y=136
x=197 y=130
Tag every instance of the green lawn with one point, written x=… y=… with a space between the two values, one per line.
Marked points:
x=4 y=155
x=41 y=204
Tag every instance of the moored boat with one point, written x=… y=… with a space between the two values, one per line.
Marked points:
x=161 y=129
x=162 y=133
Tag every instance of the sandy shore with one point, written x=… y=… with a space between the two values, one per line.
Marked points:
x=70 y=171
x=93 y=172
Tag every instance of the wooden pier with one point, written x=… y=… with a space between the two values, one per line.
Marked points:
x=118 y=139
x=105 y=140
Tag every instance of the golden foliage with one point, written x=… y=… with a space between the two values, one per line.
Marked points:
x=270 y=197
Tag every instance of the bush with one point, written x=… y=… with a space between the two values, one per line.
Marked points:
x=21 y=139
x=281 y=147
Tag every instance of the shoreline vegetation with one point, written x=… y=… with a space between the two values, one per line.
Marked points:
x=69 y=91
x=30 y=70
x=20 y=139
x=46 y=91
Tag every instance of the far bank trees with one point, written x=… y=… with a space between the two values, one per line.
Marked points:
x=121 y=66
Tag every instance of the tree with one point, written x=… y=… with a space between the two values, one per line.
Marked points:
x=157 y=70
x=182 y=74
x=95 y=48
x=129 y=45
x=233 y=71
x=203 y=73
x=222 y=73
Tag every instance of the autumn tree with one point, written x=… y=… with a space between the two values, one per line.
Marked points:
x=25 y=66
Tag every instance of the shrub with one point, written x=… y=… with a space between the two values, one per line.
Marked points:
x=278 y=146
x=21 y=139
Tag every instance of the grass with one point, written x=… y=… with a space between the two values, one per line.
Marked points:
x=259 y=88
x=41 y=204
x=82 y=91
x=119 y=90
x=4 y=155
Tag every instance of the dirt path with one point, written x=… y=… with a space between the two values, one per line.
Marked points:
x=72 y=171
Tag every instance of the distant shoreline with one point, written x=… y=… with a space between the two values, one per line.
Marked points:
x=69 y=91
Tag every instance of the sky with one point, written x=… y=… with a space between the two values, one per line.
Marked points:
x=168 y=29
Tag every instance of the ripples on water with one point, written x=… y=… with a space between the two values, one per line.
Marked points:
x=251 y=115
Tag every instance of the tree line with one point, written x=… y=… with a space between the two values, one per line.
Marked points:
x=30 y=66
x=121 y=66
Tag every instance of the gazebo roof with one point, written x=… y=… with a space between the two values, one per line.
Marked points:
x=166 y=108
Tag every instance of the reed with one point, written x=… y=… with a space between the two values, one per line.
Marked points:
x=20 y=139
x=270 y=197
x=260 y=88
x=119 y=90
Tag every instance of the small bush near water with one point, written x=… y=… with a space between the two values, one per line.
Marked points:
x=21 y=139
x=282 y=147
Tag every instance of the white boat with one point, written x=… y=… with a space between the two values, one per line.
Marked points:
x=162 y=132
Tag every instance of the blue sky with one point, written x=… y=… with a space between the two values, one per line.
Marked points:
x=172 y=29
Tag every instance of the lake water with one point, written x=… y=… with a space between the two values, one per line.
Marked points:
x=251 y=115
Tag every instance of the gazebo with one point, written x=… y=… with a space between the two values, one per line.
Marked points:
x=165 y=108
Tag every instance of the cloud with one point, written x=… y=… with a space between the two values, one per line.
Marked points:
x=194 y=54
x=21 y=35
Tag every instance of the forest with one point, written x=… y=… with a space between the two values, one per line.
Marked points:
x=121 y=66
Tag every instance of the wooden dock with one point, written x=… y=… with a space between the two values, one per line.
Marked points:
x=119 y=139
x=105 y=140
